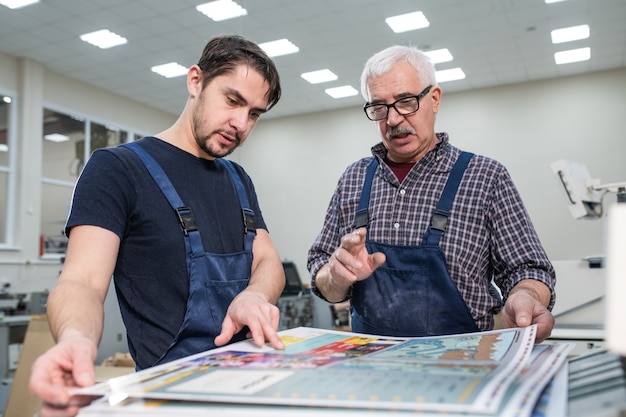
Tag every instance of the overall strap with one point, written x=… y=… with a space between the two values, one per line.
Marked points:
x=439 y=219
x=185 y=216
x=361 y=219
x=247 y=213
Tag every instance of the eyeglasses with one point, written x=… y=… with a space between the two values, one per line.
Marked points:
x=404 y=106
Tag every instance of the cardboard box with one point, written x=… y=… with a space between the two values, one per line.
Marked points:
x=37 y=340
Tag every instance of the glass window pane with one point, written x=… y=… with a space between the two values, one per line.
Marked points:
x=103 y=136
x=56 y=199
x=63 y=146
x=4 y=180
x=6 y=199
x=5 y=104
x=123 y=136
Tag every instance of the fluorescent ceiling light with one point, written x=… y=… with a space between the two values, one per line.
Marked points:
x=573 y=55
x=449 y=75
x=7 y=99
x=170 y=70
x=103 y=39
x=279 y=47
x=340 y=92
x=439 y=55
x=553 y=1
x=321 y=76
x=569 y=34
x=16 y=4
x=56 y=137
x=221 y=10
x=408 y=21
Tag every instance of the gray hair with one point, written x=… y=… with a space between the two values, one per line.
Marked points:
x=382 y=62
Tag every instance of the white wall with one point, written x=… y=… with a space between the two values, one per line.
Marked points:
x=295 y=162
x=8 y=72
x=66 y=93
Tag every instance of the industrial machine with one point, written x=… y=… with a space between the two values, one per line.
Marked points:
x=296 y=302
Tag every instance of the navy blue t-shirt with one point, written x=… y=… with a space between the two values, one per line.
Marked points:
x=116 y=192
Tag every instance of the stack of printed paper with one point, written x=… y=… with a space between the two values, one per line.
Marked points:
x=338 y=373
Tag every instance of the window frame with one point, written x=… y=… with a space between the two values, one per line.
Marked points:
x=88 y=120
x=8 y=240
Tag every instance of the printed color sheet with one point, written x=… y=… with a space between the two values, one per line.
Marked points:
x=477 y=373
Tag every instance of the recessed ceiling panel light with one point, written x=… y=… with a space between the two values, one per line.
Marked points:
x=103 y=39
x=439 y=55
x=16 y=4
x=340 y=92
x=170 y=70
x=279 y=47
x=321 y=76
x=408 y=21
x=56 y=137
x=569 y=34
x=449 y=75
x=573 y=55
x=553 y=1
x=221 y=10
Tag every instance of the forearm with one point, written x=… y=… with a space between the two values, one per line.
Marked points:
x=268 y=275
x=75 y=309
x=268 y=280
x=328 y=287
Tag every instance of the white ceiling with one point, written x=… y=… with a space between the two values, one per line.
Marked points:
x=495 y=42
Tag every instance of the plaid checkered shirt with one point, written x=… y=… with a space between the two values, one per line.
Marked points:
x=489 y=235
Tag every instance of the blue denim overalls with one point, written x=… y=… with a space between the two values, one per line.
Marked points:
x=412 y=293
x=214 y=279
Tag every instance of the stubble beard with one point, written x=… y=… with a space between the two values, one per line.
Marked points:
x=214 y=150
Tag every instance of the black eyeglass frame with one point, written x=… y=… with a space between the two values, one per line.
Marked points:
x=368 y=105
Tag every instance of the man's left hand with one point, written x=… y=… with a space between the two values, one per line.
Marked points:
x=522 y=309
x=252 y=310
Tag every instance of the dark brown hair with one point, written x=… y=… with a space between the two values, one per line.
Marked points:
x=223 y=53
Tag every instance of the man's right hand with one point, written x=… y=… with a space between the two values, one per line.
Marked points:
x=349 y=263
x=66 y=366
